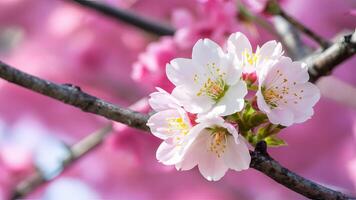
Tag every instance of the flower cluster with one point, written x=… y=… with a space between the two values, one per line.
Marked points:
x=224 y=99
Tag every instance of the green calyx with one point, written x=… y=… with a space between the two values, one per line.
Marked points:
x=255 y=127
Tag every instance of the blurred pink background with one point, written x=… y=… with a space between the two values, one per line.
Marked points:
x=67 y=43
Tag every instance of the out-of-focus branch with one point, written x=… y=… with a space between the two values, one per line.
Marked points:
x=290 y=37
x=280 y=28
x=246 y=15
x=70 y=95
x=274 y=8
x=77 y=151
x=126 y=16
x=322 y=42
x=323 y=63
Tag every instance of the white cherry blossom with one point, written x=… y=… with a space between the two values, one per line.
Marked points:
x=285 y=94
x=239 y=46
x=215 y=146
x=171 y=123
x=209 y=82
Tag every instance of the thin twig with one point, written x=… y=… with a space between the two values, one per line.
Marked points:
x=274 y=8
x=126 y=16
x=322 y=42
x=77 y=151
x=88 y=103
x=290 y=37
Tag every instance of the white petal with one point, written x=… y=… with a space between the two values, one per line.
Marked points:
x=194 y=148
x=168 y=154
x=293 y=71
x=237 y=155
x=238 y=43
x=190 y=101
x=233 y=71
x=261 y=103
x=210 y=166
x=182 y=71
x=232 y=101
x=270 y=50
x=281 y=116
x=233 y=131
x=206 y=51
x=162 y=100
x=159 y=125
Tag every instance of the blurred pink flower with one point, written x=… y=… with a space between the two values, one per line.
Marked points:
x=214 y=19
x=257 y=6
x=149 y=70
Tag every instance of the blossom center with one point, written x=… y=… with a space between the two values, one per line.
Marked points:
x=215 y=86
x=250 y=58
x=178 y=125
x=271 y=97
x=281 y=91
x=218 y=141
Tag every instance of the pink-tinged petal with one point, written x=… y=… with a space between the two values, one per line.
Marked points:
x=182 y=18
x=191 y=102
x=238 y=43
x=162 y=100
x=168 y=154
x=232 y=101
x=210 y=165
x=237 y=155
x=303 y=115
x=205 y=51
x=290 y=97
x=281 y=116
x=309 y=97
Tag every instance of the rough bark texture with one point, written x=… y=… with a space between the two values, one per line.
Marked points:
x=322 y=64
x=73 y=95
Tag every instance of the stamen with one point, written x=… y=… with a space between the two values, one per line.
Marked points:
x=178 y=125
x=215 y=85
x=218 y=141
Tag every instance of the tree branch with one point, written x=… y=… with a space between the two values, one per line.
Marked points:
x=128 y=17
x=323 y=63
x=260 y=161
x=77 y=151
x=72 y=95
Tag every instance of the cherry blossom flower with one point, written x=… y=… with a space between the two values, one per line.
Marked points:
x=285 y=94
x=171 y=123
x=209 y=82
x=239 y=45
x=150 y=66
x=216 y=146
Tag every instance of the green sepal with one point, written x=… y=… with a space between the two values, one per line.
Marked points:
x=274 y=141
